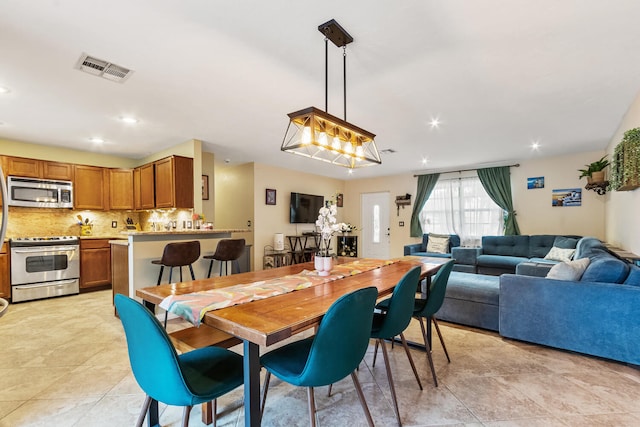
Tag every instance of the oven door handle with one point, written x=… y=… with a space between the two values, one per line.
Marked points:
x=45 y=285
x=45 y=249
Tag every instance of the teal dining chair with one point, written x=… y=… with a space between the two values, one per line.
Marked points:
x=187 y=379
x=392 y=322
x=427 y=308
x=336 y=350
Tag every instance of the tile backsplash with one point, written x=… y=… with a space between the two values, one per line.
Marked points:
x=24 y=222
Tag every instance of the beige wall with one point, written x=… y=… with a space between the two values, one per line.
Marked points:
x=622 y=224
x=65 y=155
x=534 y=212
x=208 y=168
x=271 y=219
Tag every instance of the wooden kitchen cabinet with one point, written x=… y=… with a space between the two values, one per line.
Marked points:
x=121 y=189
x=33 y=168
x=95 y=263
x=144 y=187
x=174 y=182
x=5 y=282
x=89 y=187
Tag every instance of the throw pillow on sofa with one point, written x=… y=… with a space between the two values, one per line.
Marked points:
x=571 y=270
x=438 y=243
x=560 y=254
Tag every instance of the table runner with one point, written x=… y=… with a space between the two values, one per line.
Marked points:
x=193 y=306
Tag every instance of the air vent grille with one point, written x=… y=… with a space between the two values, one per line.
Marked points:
x=102 y=68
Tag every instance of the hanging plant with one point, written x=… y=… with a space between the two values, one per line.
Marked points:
x=625 y=170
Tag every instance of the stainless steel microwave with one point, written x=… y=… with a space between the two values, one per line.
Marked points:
x=39 y=193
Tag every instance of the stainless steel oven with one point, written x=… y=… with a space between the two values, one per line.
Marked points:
x=43 y=267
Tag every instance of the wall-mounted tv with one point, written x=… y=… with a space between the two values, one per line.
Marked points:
x=304 y=208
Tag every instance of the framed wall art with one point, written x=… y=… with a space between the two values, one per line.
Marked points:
x=535 y=182
x=566 y=197
x=270 y=196
x=205 y=187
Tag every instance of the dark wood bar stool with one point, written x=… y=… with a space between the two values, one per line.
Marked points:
x=179 y=254
x=227 y=250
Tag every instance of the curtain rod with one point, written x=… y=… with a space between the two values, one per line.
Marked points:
x=467 y=170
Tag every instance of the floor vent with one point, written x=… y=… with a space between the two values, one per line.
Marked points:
x=102 y=68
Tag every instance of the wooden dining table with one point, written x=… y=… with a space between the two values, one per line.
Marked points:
x=269 y=321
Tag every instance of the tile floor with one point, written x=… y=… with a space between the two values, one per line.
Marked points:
x=63 y=362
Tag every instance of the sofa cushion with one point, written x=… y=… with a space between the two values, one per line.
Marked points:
x=565 y=242
x=634 y=276
x=540 y=244
x=517 y=246
x=438 y=244
x=571 y=270
x=605 y=268
x=501 y=261
x=559 y=254
x=474 y=287
x=431 y=254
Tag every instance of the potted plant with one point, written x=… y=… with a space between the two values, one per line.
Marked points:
x=595 y=170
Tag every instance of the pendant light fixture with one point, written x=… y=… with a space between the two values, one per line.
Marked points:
x=319 y=135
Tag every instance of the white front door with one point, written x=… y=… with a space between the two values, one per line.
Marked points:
x=375 y=225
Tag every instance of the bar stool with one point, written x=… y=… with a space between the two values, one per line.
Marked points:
x=179 y=254
x=227 y=250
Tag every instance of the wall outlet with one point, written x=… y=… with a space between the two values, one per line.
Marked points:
x=114 y=224
x=401 y=224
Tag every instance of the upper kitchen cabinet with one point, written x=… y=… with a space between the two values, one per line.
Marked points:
x=174 y=182
x=33 y=168
x=90 y=187
x=144 y=187
x=121 y=189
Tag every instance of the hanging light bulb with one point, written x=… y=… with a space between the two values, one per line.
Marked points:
x=306 y=135
x=359 y=151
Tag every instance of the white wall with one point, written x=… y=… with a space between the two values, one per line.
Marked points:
x=622 y=223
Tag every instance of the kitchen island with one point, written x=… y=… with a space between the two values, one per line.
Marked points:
x=145 y=246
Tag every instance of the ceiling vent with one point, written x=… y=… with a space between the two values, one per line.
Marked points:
x=102 y=68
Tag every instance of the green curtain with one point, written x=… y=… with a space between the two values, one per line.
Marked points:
x=497 y=183
x=426 y=183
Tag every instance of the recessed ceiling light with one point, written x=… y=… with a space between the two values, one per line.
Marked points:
x=4 y=89
x=535 y=145
x=96 y=140
x=425 y=160
x=350 y=171
x=435 y=122
x=129 y=119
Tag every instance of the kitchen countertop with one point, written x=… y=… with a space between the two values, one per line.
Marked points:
x=185 y=231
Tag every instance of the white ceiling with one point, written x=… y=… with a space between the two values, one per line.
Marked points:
x=499 y=74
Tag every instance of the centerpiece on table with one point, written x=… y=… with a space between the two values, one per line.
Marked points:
x=327 y=226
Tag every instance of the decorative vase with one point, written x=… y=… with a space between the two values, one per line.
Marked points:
x=323 y=265
x=597 y=176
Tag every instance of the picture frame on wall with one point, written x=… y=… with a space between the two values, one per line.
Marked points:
x=339 y=200
x=205 y=187
x=535 y=182
x=270 y=196
x=566 y=197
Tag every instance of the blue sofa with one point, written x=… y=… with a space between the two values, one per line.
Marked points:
x=597 y=315
x=503 y=254
x=420 y=249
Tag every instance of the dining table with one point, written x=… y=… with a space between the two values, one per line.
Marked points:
x=268 y=321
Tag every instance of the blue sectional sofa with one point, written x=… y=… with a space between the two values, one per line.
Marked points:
x=503 y=254
x=599 y=314
x=420 y=249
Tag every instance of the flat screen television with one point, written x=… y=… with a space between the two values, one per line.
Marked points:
x=304 y=208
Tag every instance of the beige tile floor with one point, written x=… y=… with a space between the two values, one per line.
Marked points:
x=63 y=362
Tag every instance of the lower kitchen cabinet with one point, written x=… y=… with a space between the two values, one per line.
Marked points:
x=95 y=263
x=5 y=283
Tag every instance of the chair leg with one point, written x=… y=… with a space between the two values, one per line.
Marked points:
x=209 y=412
x=329 y=391
x=185 y=416
x=267 y=378
x=444 y=347
x=180 y=273
x=143 y=412
x=365 y=408
x=210 y=267
x=160 y=275
x=170 y=273
x=390 y=379
x=428 y=351
x=413 y=366
x=375 y=354
x=312 y=407
x=193 y=276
